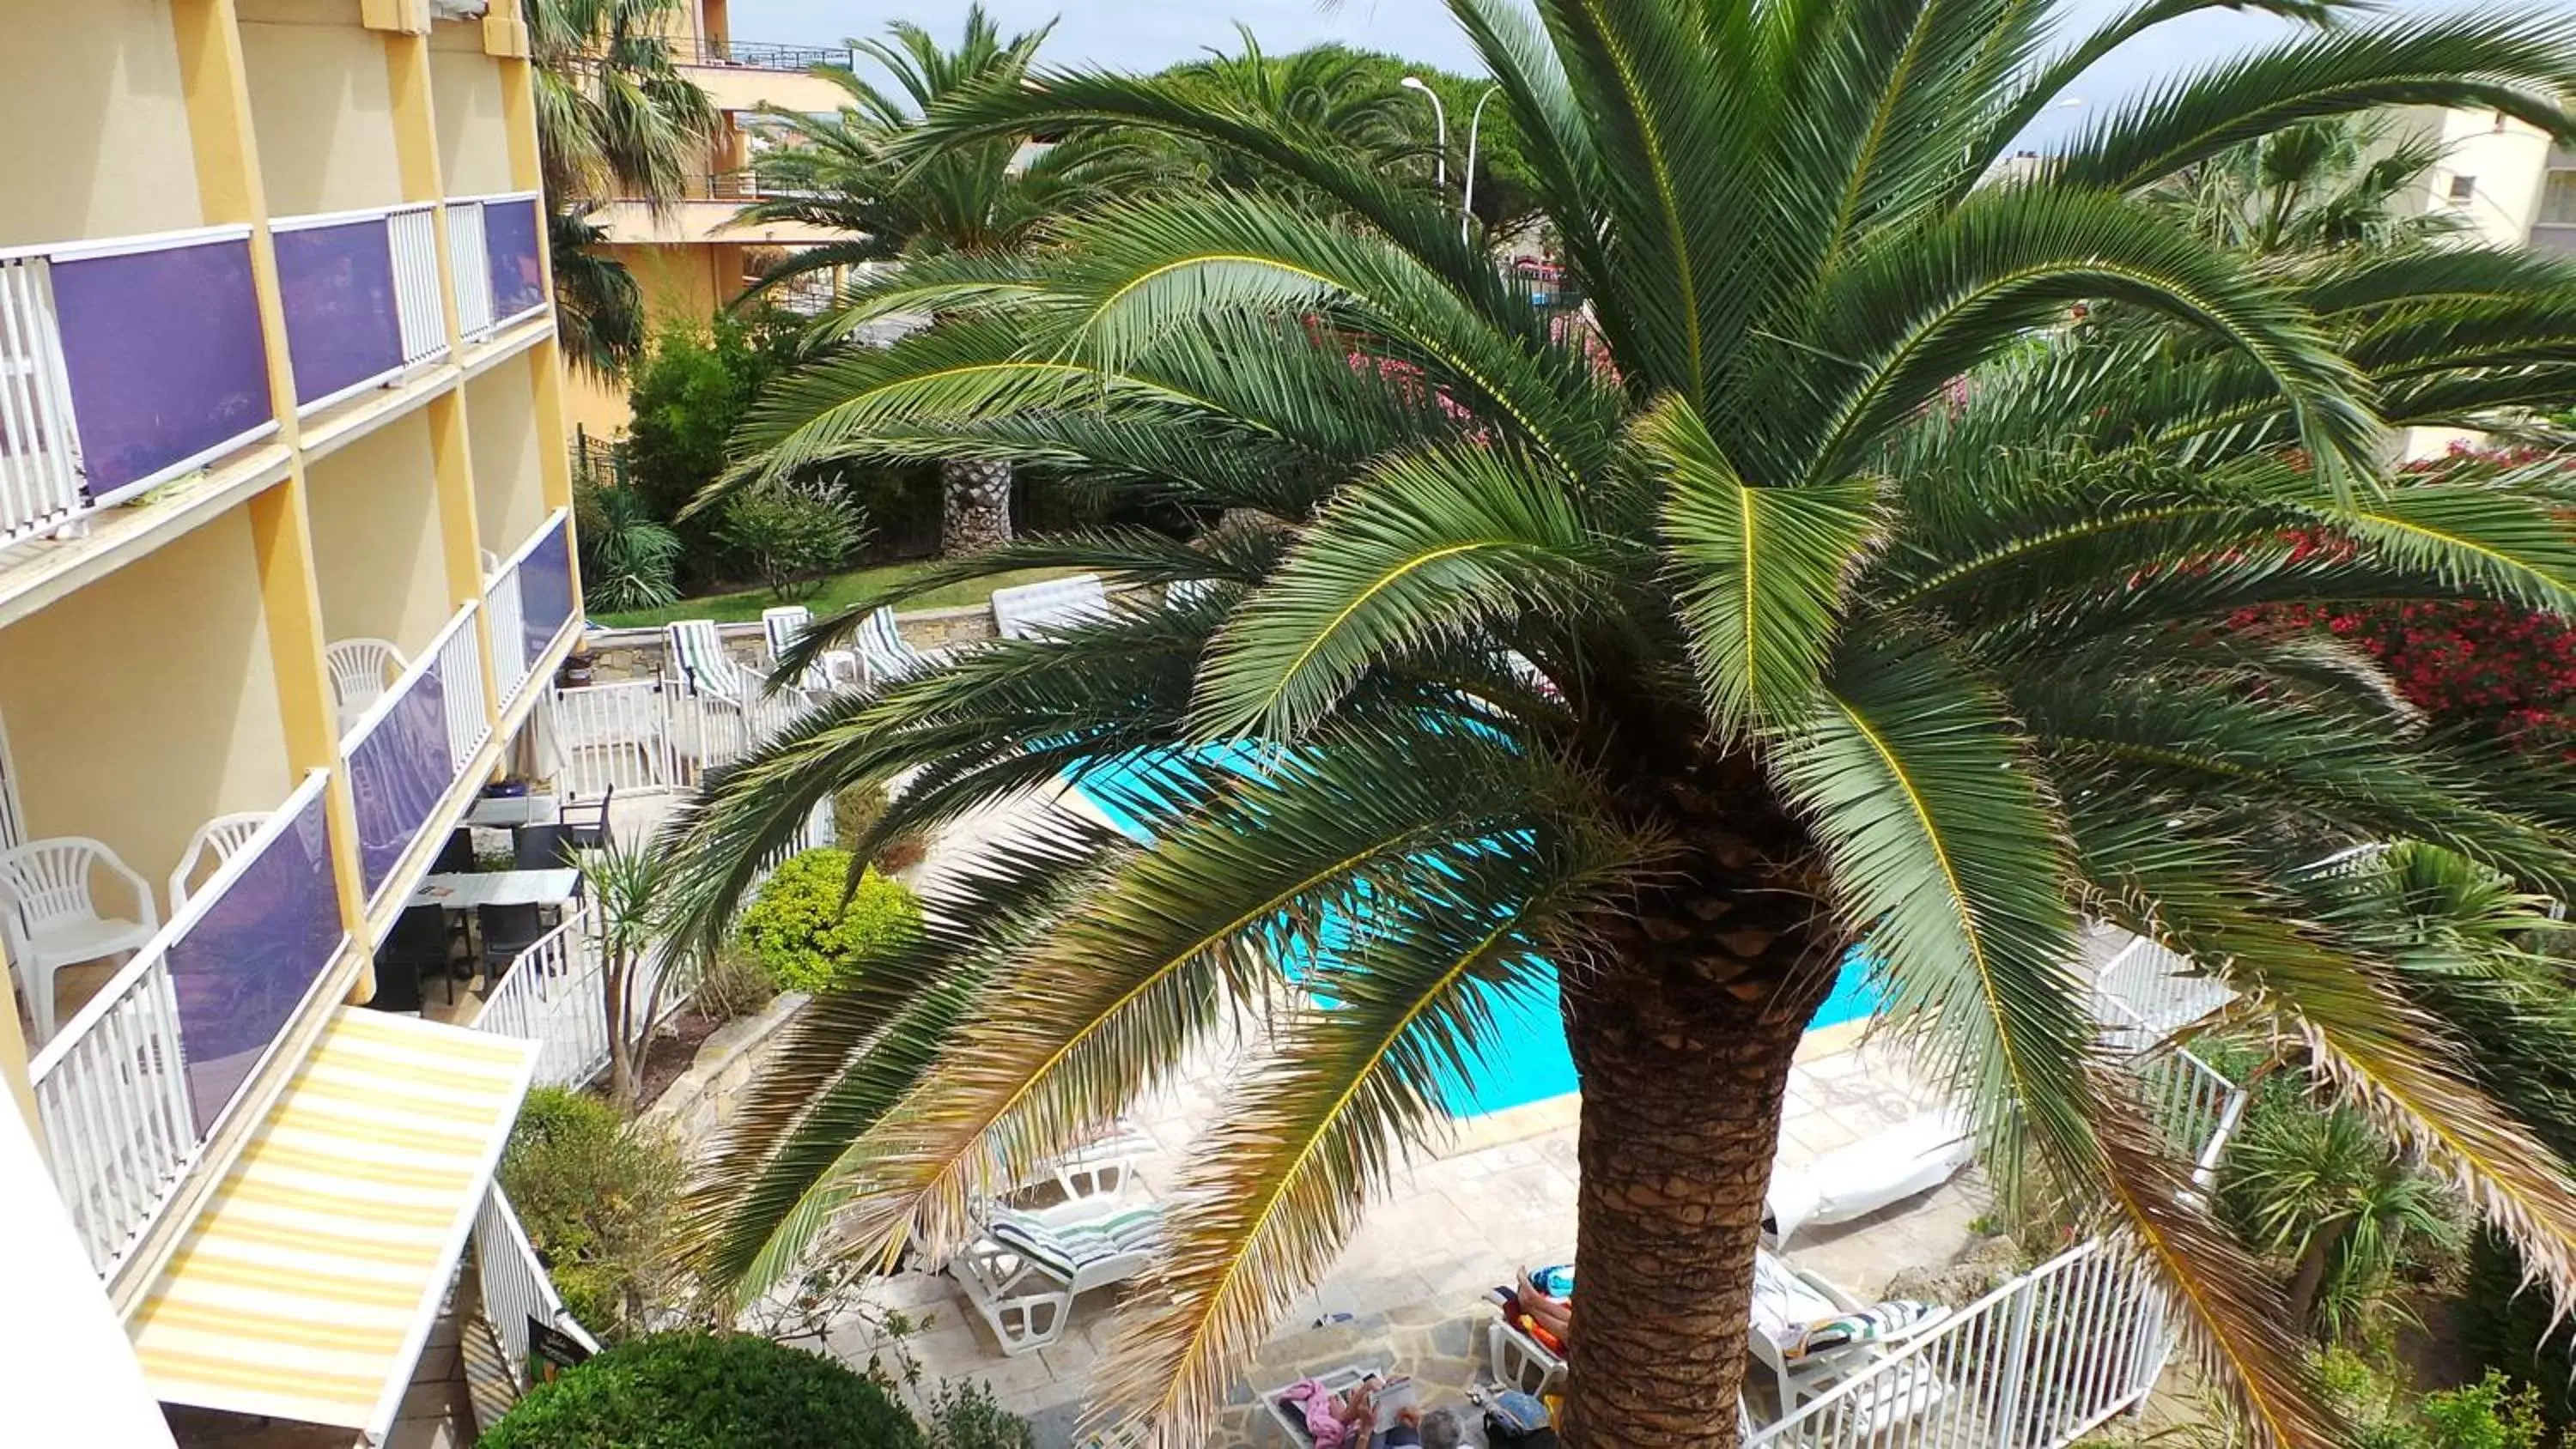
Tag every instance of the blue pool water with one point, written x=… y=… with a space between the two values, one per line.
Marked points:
x=1533 y=1064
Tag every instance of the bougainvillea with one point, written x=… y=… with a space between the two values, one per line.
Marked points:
x=2488 y=667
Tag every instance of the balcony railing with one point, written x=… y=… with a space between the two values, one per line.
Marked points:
x=411 y=745
x=361 y=294
x=495 y=245
x=123 y=364
x=135 y=1085
x=758 y=55
x=530 y=600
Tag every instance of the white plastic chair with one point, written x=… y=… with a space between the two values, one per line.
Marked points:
x=785 y=625
x=884 y=654
x=1025 y=1269
x=45 y=886
x=221 y=837
x=1031 y=610
x=361 y=669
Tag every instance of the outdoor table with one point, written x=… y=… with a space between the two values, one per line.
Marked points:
x=465 y=890
x=502 y=811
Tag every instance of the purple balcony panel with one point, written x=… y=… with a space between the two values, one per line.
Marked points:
x=510 y=247
x=545 y=591
x=163 y=351
x=397 y=773
x=242 y=970
x=343 y=323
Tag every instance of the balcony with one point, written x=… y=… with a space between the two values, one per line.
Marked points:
x=135 y=1085
x=495 y=245
x=361 y=295
x=528 y=600
x=123 y=364
x=411 y=748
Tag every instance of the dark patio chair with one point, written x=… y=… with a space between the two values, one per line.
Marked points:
x=507 y=931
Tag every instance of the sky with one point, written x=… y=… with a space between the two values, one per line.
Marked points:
x=1150 y=34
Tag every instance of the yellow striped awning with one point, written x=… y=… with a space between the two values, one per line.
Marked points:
x=310 y=1280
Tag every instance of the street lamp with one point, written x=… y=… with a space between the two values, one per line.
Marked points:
x=1440 y=123
x=1475 y=118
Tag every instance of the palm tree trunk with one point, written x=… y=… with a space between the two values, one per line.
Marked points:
x=975 y=506
x=1684 y=1048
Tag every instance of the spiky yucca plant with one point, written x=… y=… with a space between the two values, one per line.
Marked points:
x=1825 y=589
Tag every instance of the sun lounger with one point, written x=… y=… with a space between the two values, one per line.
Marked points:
x=1024 y=1270
x=1394 y=1393
x=1031 y=611
x=788 y=623
x=1879 y=1170
x=884 y=655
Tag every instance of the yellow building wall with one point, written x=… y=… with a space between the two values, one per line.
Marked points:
x=322 y=104
x=465 y=92
x=683 y=285
x=89 y=94
x=376 y=539
x=144 y=705
x=509 y=496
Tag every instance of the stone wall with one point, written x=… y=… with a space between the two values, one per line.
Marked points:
x=618 y=655
x=698 y=1106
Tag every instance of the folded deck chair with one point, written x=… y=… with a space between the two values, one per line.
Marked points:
x=785 y=625
x=1814 y=1336
x=696 y=656
x=1855 y=1181
x=1033 y=610
x=884 y=655
x=1024 y=1270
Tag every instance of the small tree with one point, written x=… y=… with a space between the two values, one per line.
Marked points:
x=792 y=534
x=635 y=967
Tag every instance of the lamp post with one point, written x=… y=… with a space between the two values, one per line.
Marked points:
x=1440 y=125
x=1475 y=119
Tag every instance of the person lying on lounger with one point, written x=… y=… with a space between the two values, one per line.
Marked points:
x=1542 y=1306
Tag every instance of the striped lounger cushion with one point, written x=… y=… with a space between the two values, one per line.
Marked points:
x=1067 y=1249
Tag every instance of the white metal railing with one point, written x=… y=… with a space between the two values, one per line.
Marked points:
x=2147 y=991
x=515 y=1287
x=460 y=679
x=412 y=232
x=551 y=994
x=2036 y=1364
x=470 y=262
x=40 y=477
x=660 y=735
x=507 y=624
x=111 y=1086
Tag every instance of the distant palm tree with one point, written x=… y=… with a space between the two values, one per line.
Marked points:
x=1825 y=592
x=616 y=120
x=2348 y=181
x=987 y=199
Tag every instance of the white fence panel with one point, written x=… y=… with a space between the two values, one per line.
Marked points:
x=552 y=995
x=515 y=1286
x=412 y=233
x=40 y=479
x=460 y=685
x=114 y=1101
x=613 y=736
x=507 y=623
x=470 y=261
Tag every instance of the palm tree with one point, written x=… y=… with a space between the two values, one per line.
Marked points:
x=2347 y=181
x=985 y=199
x=1825 y=592
x=616 y=120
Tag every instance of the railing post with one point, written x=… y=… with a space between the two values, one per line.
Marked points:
x=2015 y=1366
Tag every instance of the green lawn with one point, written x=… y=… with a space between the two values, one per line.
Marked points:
x=836 y=594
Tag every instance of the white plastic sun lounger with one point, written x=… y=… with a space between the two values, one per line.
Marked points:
x=1025 y=1269
x=1855 y=1181
x=788 y=623
x=1033 y=610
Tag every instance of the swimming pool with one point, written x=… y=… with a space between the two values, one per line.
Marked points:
x=1534 y=1064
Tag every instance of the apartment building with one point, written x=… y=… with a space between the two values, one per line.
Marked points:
x=690 y=258
x=285 y=566
x=2502 y=178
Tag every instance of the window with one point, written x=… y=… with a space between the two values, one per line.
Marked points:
x=2558 y=199
x=2462 y=188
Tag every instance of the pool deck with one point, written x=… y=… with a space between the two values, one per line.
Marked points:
x=1498 y=1196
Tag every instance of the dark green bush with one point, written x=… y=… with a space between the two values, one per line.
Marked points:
x=799 y=927
x=706 y=1391
x=964 y=1415
x=2507 y=1324
x=855 y=811
x=2383 y=1413
x=600 y=1204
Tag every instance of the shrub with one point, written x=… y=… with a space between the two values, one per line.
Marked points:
x=964 y=1415
x=733 y=986
x=789 y=535
x=706 y=1391
x=855 y=811
x=2492 y=1413
x=599 y=1201
x=800 y=927
x=629 y=560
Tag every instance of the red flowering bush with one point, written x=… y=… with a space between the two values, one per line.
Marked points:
x=2490 y=667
